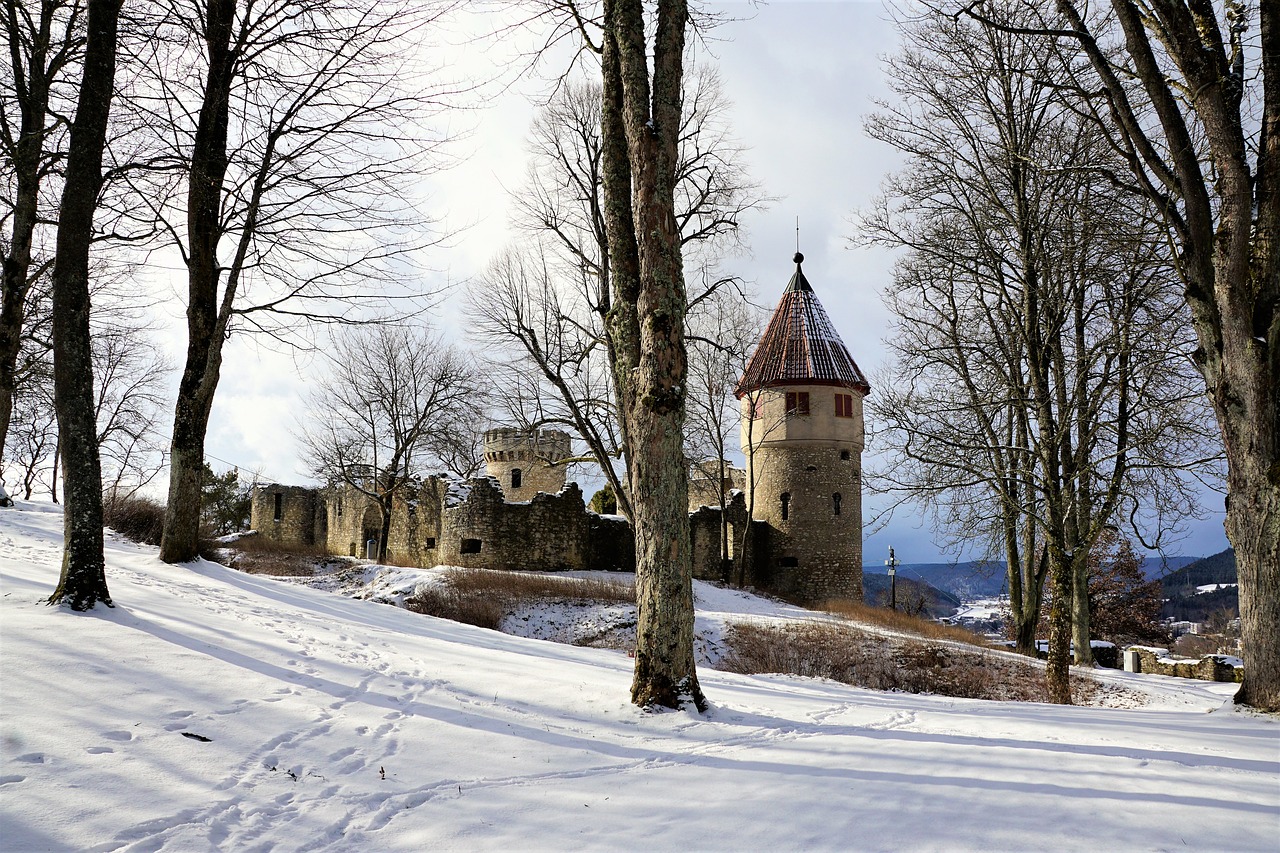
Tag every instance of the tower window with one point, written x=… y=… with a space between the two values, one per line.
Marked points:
x=844 y=405
x=835 y=503
x=339 y=507
x=797 y=402
x=757 y=408
x=516 y=477
x=844 y=456
x=469 y=546
x=430 y=543
x=786 y=505
x=279 y=513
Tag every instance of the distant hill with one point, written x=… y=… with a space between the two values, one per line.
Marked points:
x=1184 y=601
x=964 y=581
x=974 y=579
x=937 y=602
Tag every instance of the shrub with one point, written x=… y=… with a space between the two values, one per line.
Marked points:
x=134 y=517
x=483 y=596
x=912 y=665
x=470 y=607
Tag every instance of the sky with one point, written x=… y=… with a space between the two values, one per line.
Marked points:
x=214 y=710
x=802 y=76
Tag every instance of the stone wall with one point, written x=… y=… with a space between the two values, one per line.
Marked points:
x=549 y=533
x=437 y=522
x=527 y=462
x=1208 y=668
x=285 y=514
x=703 y=477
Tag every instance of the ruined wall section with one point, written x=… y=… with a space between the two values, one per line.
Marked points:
x=612 y=544
x=416 y=524
x=549 y=533
x=523 y=461
x=703 y=477
x=285 y=514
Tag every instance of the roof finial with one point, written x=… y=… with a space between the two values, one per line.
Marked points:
x=799 y=258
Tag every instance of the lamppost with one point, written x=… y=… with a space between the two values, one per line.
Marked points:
x=892 y=563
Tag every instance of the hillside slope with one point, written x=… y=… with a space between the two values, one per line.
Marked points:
x=217 y=711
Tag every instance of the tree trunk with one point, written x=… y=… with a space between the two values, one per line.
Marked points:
x=1058 y=670
x=1226 y=232
x=1080 y=622
x=206 y=324
x=83 y=582
x=647 y=332
x=33 y=103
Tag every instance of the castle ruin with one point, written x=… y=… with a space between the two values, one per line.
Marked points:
x=802 y=435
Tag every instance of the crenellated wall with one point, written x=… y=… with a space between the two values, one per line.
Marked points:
x=526 y=462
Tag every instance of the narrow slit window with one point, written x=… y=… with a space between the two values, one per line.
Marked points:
x=279 y=512
x=517 y=477
x=835 y=503
x=786 y=505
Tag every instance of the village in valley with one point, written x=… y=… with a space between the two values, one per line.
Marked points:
x=593 y=425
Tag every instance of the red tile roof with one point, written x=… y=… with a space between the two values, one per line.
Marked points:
x=800 y=346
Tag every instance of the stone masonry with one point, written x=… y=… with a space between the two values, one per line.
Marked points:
x=527 y=462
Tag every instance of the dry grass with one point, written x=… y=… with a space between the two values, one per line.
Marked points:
x=845 y=654
x=137 y=518
x=483 y=597
x=258 y=555
x=896 y=620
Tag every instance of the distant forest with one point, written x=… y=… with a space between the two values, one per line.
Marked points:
x=1181 y=600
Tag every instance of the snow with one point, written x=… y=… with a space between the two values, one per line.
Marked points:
x=1213 y=587
x=495 y=742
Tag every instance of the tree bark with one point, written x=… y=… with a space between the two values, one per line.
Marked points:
x=206 y=324
x=1058 y=670
x=640 y=129
x=1228 y=232
x=83 y=582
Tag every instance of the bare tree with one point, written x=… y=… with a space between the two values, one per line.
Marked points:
x=83 y=582
x=538 y=323
x=547 y=304
x=1040 y=366
x=1192 y=107
x=296 y=129
x=45 y=41
x=393 y=395
x=722 y=333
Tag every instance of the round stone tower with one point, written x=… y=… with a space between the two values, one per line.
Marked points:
x=526 y=462
x=802 y=436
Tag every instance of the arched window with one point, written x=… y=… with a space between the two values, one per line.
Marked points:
x=515 y=478
x=786 y=505
x=835 y=503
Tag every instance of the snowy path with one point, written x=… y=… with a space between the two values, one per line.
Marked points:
x=490 y=741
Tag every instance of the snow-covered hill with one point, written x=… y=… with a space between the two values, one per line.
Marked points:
x=326 y=723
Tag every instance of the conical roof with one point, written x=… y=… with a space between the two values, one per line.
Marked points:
x=800 y=346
